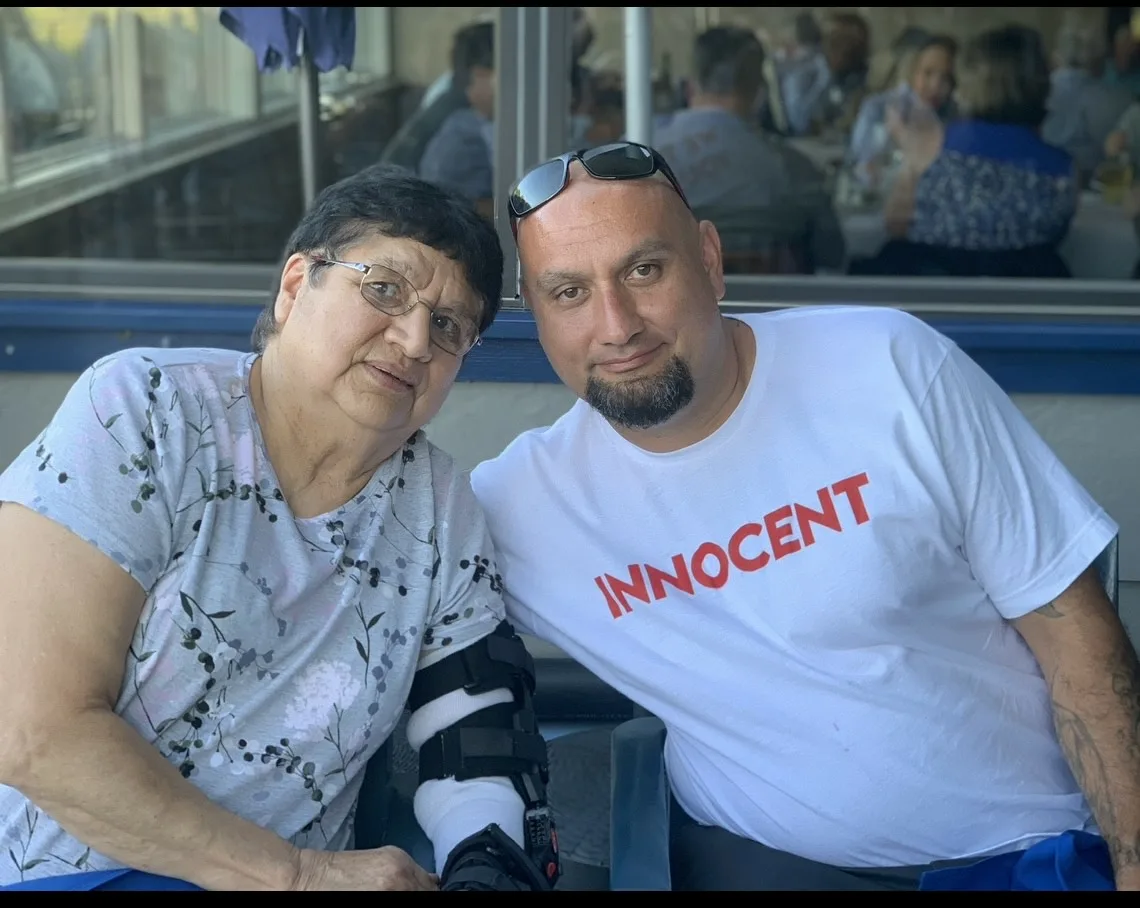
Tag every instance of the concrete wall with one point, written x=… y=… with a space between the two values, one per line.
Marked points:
x=1096 y=437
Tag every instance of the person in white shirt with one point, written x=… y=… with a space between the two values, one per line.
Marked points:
x=821 y=545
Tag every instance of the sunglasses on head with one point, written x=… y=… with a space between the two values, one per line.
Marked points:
x=615 y=161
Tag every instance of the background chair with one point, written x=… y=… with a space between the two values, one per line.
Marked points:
x=639 y=812
x=760 y=240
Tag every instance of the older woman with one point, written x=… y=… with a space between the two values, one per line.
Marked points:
x=989 y=195
x=223 y=575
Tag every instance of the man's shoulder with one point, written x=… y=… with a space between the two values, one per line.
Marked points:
x=864 y=321
x=863 y=338
x=527 y=455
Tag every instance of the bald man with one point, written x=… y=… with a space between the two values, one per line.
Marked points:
x=823 y=547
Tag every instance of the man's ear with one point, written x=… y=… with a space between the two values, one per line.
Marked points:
x=712 y=257
x=292 y=280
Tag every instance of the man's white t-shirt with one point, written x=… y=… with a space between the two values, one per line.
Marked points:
x=814 y=599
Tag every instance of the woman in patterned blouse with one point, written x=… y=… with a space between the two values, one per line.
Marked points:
x=988 y=183
x=220 y=571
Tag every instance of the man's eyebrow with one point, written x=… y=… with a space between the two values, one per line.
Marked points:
x=646 y=249
x=550 y=280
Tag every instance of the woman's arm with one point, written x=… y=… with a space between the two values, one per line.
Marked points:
x=920 y=144
x=69 y=614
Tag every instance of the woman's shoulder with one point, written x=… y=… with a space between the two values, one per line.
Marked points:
x=189 y=367
x=1009 y=144
x=142 y=405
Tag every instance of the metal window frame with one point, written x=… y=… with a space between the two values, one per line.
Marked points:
x=532 y=66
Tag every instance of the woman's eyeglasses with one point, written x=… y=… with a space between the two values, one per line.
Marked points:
x=390 y=292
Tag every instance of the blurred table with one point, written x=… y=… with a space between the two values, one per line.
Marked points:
x=1101 y=245
x=824 y=154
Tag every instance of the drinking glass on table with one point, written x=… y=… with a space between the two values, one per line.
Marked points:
x=1115 y=179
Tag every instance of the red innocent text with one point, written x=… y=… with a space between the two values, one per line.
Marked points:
x=752 y=547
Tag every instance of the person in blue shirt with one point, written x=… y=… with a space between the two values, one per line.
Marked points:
x=458 y=156
x=822 y=92
x=1083 y=107
x=732 y=172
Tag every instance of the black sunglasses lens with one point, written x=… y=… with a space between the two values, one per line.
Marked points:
x=538 y=187
x=619 y=161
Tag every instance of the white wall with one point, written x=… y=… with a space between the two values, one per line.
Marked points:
x=1098 y=438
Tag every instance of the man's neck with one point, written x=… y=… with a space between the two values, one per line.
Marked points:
x=710 y=409
x=727 y=103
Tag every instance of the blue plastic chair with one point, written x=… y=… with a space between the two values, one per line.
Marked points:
x=639 y=813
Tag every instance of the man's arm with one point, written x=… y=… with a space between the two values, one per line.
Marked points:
x=1094 y=680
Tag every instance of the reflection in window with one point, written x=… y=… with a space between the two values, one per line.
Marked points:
x=57 y=75
x=866 y=97
x=277 y=88
x=173 y=63
x=91 y=166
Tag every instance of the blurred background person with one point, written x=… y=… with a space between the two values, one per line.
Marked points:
x=754 y=187
x=922 y=84
x=1123 y=65
x=823 y=95
x=1083 y=107
x=987 y=195
x=459 y=155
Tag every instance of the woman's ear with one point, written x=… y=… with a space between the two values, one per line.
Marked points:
x=292 y=280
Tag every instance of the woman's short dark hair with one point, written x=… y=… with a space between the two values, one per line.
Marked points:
x=386 y=200
x=1004 y=77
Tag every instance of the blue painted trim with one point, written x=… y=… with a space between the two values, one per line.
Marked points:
x=67 y=336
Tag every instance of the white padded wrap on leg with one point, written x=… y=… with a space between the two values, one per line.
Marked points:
x=450 y=811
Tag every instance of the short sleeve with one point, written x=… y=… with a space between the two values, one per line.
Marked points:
x=104 y=466
x=469 y=605
x=1029 y=529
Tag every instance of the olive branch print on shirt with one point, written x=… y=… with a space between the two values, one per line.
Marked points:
x=325 y=731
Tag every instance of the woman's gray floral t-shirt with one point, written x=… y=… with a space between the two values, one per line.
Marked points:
x=274 y=654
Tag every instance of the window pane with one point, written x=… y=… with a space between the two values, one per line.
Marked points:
x=173 y=64
x=57 y=73
x=873 y=145
x=198 y=155
x=425 y=120
x=277 y=88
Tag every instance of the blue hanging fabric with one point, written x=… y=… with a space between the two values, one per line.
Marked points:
x=281 y=35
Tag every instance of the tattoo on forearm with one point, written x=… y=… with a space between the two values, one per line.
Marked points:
x=1106 y=764
x=1050 y=610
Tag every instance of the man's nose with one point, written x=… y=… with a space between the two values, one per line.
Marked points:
x=619 y=317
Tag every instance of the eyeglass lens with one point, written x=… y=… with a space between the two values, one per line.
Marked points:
x=391 y=293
